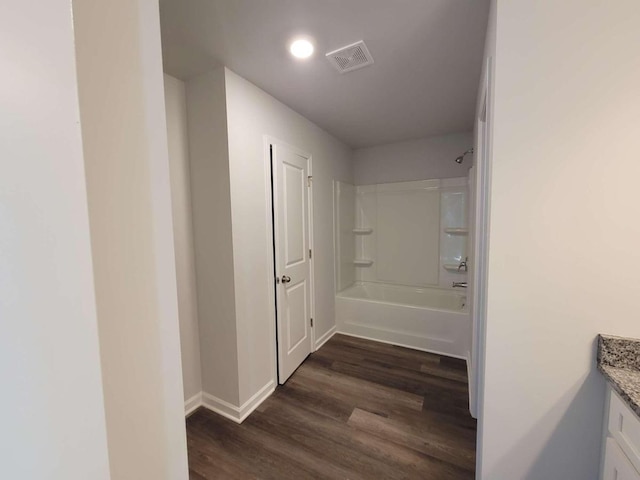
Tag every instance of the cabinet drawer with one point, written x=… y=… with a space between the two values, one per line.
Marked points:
x=616 y=464
x=624 y=427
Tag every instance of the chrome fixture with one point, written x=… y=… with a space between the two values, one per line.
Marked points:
x=286 y=279
x=461 y=157
x=463 y=265
x=459 y=285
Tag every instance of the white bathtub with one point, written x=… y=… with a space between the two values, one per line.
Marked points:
x=431 y=319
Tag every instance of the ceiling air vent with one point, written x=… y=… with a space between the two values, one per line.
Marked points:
x=351 y=57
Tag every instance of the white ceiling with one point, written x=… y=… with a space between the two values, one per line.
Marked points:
x=427 y=53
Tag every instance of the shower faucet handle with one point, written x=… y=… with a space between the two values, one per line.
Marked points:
x=463 y=264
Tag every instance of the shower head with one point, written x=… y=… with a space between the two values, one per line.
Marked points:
x=461 y=157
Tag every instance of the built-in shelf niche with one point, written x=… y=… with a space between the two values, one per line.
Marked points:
x=457 y=231
x=363 y=262
x=362 y=231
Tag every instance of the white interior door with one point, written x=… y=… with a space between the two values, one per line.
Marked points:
x=291 y=185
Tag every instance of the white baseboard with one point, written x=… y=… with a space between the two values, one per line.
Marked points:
x=326 y=337
x=401 y=344
x=473 y=404
x=232 y=412
x=192 y=404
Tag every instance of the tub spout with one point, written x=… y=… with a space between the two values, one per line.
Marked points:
x=459 y=285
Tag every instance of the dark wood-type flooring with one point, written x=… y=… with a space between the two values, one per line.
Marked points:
x=355 y=409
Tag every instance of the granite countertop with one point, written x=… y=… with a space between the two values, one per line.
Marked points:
x=619 y=362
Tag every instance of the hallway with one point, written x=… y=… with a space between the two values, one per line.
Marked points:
x=355 y=409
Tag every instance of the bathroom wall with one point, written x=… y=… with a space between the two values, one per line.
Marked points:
x=387 y=176
x=431 y=157
x=211 y=203
x=564 y=230
x=404 y=243
x=411 y=233
x=228 y=120
x=52 y=418
x=124 y=136
x=252 y=114
x=177 y=137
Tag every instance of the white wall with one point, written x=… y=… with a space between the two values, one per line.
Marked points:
x=211 y=202
x=176 y=107
x=127 y=169
x=404 y=244
x=252 y=114
x=409 y=243
x=228 y=121
x=52 y=409
x=432 y=157
x=564 y=260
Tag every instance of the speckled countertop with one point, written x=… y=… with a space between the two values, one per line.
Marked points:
x=619 y=362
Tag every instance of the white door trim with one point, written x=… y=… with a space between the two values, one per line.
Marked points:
x=269 y=140
x=481 y=239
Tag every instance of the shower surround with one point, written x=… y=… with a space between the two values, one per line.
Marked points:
x=399 y=247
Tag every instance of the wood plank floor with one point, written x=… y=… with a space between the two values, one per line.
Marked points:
x=355 y=409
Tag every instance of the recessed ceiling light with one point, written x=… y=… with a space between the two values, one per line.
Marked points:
x=301 y=48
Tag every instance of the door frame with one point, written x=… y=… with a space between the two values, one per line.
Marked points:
x=268 y=141
x=484 y=161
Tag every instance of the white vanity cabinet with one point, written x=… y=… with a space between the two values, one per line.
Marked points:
x=621 y=441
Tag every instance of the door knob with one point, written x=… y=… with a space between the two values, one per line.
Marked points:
x=286 y=279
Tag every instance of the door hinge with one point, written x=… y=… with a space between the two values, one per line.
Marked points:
x=309 y=178
x=309 y=253
x=311 y=322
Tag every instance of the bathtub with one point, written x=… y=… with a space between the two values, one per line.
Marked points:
x=430 y=319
